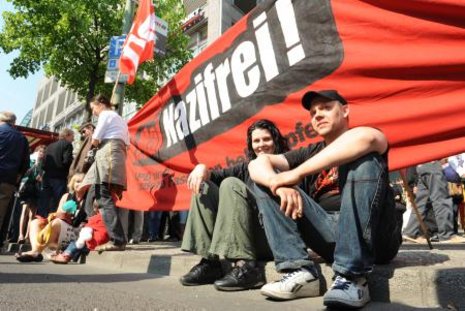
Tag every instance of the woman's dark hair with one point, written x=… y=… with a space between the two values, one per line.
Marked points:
x=101 y=100
x=280 y=142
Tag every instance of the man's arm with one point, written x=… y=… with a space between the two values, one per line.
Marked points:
x=67 y=155
x=262 y=171
x=263 y=168
x=25 y=161
x=349 y=146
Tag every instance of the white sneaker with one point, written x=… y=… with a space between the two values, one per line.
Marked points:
x=345 y=293
x=296 y=284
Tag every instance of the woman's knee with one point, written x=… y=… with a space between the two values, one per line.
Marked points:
x=233 y=184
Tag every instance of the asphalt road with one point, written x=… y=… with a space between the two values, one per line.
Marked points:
x=46 y=286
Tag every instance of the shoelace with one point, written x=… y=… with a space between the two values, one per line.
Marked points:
x=239 y=272
x=341 y=283
x=289 y=275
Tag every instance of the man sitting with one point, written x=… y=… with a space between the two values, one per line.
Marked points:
x=366 y=230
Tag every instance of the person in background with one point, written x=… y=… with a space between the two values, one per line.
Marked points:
x=79 y=164
x=433 y=192
x=14 y=160
x=107 y=174
x=56 y=231
x=134 y=218
x=223 y=219
x=29 y=198
x=58 y=158
x=153 y=225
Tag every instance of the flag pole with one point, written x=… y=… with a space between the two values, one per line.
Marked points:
x=118 y=90
x=113 y=92
x=410 y=198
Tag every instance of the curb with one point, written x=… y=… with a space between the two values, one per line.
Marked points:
x=417 y=276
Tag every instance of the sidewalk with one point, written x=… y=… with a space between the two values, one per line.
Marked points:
x=417 y=277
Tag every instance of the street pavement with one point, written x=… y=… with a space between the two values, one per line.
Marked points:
x=145 y=277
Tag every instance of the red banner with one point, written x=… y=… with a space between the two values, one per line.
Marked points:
x=400 y=65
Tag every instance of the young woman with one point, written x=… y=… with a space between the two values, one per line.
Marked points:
x=107 y=175
x=223 y=220
x=56 y=231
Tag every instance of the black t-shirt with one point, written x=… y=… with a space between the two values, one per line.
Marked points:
x=239 y=171
x=299 y=156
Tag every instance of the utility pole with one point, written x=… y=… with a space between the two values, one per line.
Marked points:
x=118 y=94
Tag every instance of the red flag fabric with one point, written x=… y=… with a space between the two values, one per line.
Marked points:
x=140 y=42
x=399 y=63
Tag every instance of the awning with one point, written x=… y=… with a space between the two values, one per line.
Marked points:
x=37 y=137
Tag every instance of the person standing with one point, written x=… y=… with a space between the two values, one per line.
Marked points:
x=58 y=158
x=107 y=175
x=79 y=164
x=433 y=191
x=14 y=159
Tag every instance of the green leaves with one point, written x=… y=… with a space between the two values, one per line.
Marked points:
x=69 y=38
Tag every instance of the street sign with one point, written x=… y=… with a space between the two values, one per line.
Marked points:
x=114 y=53
x=161 y=34
x=116 y=46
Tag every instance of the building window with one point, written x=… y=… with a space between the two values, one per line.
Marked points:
x=61 y=102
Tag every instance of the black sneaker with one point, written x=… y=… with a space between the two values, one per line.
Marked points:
x=244 y=277
x=205 y=272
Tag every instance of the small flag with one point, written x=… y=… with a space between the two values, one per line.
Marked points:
x=140 y=42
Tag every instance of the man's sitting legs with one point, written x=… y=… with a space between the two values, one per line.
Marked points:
x=364 y=184
x=301 y=279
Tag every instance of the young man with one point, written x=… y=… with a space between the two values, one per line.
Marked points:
x=347 y=213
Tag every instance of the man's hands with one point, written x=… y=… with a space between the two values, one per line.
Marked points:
x=291 y=202
x=196 y=177
x=287 y=178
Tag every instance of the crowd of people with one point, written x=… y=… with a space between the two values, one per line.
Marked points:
x=334 y=198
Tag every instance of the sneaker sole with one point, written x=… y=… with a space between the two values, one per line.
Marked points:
x=237 y=288
x=313 y=290
x=343 y=304
x=194 y=284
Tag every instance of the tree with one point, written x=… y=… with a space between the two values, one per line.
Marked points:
x=69 y=38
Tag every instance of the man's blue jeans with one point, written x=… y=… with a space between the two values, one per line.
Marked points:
x=366 y=228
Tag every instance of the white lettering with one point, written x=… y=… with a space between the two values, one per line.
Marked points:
x=194 y=123
x=245 y=71
x=222 y=72
x=211 y=92
x=168 y=125
x=201 y=100
x=286 y=16
x=180 y=114
x=265 y=47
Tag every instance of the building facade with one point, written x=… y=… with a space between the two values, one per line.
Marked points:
x=207 y=19
x=57 y=107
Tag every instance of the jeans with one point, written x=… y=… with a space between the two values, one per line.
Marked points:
x=366 y=230
x=109 y=213
x=432 y=187
x=50 y=195
x=154 y=218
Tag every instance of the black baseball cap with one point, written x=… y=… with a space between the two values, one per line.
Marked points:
x=308 y=98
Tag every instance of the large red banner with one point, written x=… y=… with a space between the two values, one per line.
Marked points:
x=399 y=63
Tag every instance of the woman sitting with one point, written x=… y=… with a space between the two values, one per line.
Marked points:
x=56 y=231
